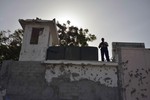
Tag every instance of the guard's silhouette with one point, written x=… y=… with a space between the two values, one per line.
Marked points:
x=104 y=50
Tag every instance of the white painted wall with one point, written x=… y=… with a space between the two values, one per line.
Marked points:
x=49 y=37
x=35 y=52
x=136 y=73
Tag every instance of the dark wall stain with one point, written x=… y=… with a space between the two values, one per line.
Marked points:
x=62 y=68
x=143 y=95
x=133 y=91
x=75 y=74
x=107 y=78
x=53 y=71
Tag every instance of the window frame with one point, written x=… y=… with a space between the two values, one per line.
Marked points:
x=36 y=31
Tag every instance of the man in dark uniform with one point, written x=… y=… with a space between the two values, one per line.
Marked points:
x=104 y=50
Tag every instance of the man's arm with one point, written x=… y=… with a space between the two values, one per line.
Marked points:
x=106 y=44
x=99 y=45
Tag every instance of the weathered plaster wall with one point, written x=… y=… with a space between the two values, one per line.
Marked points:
x=135 y=73
x=103 y=75
x=59 y=81
x=35 y=52
x=117 y=45
x=23 y=80
x=49 y=37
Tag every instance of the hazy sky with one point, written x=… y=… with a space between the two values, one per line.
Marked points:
x=115 y=20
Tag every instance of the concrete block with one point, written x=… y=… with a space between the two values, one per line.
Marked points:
x=72 y=53
x=89 y=53
x=56 y=53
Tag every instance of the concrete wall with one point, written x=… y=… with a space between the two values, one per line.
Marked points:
x=135 y=73
x=34 y=52
x=117 y=45
x=60 y=80
x=49 y=37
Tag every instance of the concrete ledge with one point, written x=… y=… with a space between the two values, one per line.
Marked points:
x=95 y=63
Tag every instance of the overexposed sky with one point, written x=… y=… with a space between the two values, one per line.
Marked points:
x=115 y=20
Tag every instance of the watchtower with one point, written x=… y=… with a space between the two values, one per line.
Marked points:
x=38 y=36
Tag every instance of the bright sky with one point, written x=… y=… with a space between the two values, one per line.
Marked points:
x=115 y=20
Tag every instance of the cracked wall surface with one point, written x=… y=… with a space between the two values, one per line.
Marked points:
x=136 y=73
x=103 y=75
x=32 y=80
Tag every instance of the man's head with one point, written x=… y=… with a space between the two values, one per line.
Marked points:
x=102 y=39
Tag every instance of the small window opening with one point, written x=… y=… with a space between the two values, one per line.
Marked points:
x=35 y=35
